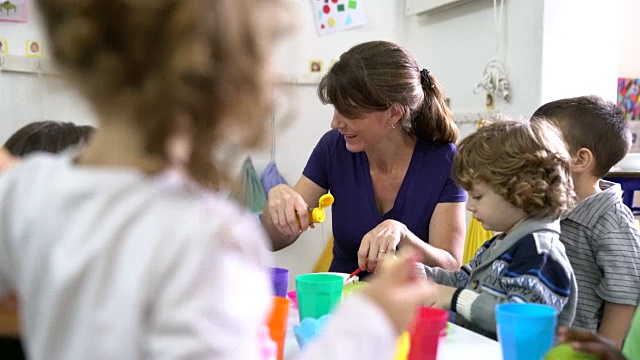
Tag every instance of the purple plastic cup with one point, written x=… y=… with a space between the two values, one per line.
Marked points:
x=280 y=281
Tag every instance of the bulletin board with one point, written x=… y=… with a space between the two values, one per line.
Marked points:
x=629 y=103
x=337 y=15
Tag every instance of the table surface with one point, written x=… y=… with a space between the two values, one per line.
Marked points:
x=460 y=344
x=623 y=174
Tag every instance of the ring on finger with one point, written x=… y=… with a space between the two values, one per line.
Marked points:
x=383 y=251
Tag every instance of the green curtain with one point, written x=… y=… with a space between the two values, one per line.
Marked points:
x=253 y=193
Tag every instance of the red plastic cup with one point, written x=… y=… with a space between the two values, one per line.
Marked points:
x=278 y=322
x=427 y=331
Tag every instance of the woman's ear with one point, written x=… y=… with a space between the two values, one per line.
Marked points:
x=395 y=113
x=583 y=161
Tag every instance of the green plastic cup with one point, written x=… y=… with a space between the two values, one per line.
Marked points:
x=318 y=294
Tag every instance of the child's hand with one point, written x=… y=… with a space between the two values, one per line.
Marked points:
x=591 y=343
x=397 y=290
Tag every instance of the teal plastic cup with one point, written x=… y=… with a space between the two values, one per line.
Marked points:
x=525 y=331
x=318 y=294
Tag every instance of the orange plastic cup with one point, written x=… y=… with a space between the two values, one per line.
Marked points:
x=278 y=322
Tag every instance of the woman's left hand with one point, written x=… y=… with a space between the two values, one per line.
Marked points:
x=380 y=243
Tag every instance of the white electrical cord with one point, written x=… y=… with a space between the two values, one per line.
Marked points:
x=495 y=77
x=2 y=61
x=497 y=22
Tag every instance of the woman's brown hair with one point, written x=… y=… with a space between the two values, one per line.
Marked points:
x=374 y=75
x=161 y=59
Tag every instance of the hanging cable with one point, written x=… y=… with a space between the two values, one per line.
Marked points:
x=497 y=23
x=495 y=77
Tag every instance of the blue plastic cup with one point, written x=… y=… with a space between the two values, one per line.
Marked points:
x=525 y=331
x=280 y=281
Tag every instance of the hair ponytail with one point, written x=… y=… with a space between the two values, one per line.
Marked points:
x=434 y=120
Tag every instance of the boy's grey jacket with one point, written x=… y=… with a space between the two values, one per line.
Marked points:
x=528 y=265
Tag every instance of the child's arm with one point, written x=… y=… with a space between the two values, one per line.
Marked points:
x=617 y=253
x=533 y=276
x=616 y=320
x=456 y=279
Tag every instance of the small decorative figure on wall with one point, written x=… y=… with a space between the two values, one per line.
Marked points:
x=315 y=66
x=34 y=48
x=13 y=10
x=4 y=47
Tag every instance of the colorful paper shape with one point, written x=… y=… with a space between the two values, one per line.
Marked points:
x=629 y=98
x=338 y=15
x=4 y=47
x=34 y=48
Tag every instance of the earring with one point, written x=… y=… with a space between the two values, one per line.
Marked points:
x=391 y=126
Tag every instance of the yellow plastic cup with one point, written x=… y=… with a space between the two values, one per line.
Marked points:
x=402 y=347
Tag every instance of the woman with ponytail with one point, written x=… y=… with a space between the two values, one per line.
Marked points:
x=387 y=161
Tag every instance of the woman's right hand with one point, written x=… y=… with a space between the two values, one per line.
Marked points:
x=288 y=210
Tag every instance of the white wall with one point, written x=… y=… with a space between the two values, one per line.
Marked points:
x=457 y=43
x=629 y=65
x=581 y=48
x=27 y=97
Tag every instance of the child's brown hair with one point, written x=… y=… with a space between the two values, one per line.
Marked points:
x=47 y=136
x=525 y=163
x=593 y=123
x=208 y=64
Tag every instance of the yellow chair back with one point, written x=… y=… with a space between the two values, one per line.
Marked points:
x=476 y=236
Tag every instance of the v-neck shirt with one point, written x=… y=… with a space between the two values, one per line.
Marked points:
x=355 y=212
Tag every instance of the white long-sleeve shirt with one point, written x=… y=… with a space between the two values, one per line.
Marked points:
x=111 y=264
